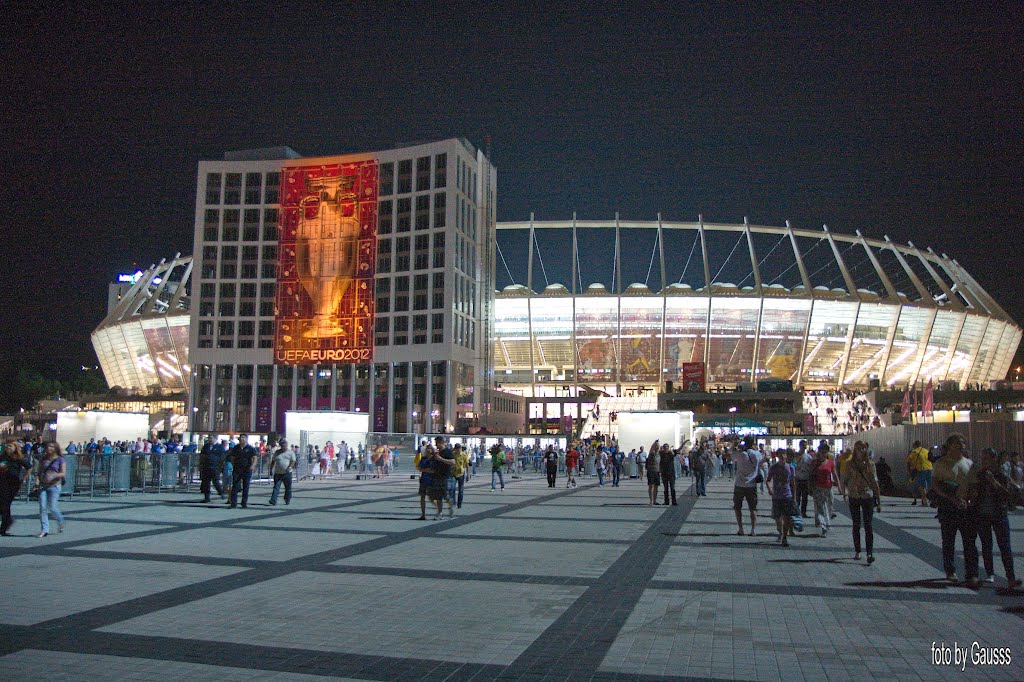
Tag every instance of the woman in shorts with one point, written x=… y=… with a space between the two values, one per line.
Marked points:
x=653 y=478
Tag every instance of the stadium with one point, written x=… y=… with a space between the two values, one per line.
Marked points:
x=819 y=309
x=142 y=343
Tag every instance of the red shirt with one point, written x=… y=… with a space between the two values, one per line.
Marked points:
x=823 y=474
x=572 y=458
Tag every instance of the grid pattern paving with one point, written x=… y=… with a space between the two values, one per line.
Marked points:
x=531 y=583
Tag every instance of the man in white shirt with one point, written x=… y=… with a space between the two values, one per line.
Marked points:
x=281 y=467
x=748 y=461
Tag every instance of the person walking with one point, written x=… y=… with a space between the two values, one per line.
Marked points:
x=949 y=488
x=699 y=467
x=824 y=478
x=227 y=469
x=600 y=464
x=211 y=461
x=14 y=469
x=653 y=469
x=423 y=461
x=281 y=466
x=919 y=473
x=780 y=485
x=803 y=462
x=748 y=475
x=461 y=471
x=990 y=492
x=50 y=476
x=243 y=458
x=572 y=464
x=497 y=464
x=551 y=465
x=617 y=459
x=860 y=484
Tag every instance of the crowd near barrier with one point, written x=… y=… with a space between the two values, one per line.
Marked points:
x=98 y=475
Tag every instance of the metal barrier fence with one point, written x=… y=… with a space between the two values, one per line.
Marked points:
x=123 y=473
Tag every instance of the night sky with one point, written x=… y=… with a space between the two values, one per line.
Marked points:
x=902 y=121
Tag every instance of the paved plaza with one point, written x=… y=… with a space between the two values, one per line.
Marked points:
x=529 y=583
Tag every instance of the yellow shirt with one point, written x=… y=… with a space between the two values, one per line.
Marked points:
x=920 y=461
x=461 y=462
x=844 y=459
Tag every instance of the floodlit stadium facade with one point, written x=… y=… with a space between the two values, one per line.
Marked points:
x=142 y=343
x=822 y=309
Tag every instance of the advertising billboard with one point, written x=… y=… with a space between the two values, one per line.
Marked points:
x=326 y=259
x=693 y=377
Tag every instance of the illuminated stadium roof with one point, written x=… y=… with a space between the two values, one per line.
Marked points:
x=819 y=308
x=142 y=344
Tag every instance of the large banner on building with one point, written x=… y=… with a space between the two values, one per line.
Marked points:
x=327 y=248
x=693 y=377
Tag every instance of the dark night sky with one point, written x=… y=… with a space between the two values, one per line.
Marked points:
x=901 y=121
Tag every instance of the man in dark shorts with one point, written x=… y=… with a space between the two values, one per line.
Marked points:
x=748 y=461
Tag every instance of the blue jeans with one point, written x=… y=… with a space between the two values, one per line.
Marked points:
x=616 y=474
x=600 y=476
x=700 y=482
x=240 y=478
x=501 y=477
x=285 y=478
x=48 y=504
x=461 y=481
x=228 y=466
x=1001 y=529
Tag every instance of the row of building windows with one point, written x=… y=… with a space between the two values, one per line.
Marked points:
x=395 y=331
x=234 y=262
x=232 y=225
x=228 y=189
x=424 y=212
x=407 y=213
x=400 y=286
x=405 y=181
x=395 y=255
x=222 y=333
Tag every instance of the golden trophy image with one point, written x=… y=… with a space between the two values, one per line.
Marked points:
x=326 y=248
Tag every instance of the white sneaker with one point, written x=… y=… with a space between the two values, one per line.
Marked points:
x=990 y=578
x=437 y=517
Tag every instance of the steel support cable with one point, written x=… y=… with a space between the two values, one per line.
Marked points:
x=804 y=255
x=502 y=256
x=763 y=260
x=696 y=238
x=541 y=259
x=650 y=267
x=726 y=261
x=823 y=267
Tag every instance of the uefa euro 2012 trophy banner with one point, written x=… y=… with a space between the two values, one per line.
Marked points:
x=327 y=269
x=325 y=245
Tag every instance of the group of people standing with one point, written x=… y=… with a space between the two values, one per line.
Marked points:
x=49 y=470
x=973 y=499
x=444 y=470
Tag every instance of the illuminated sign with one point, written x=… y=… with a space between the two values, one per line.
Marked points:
x=326 y=260
x=132 y=278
